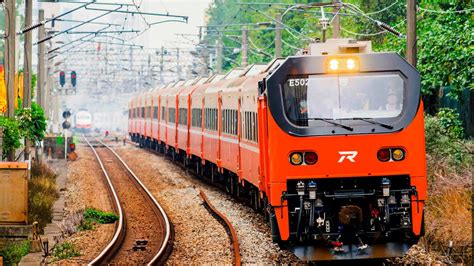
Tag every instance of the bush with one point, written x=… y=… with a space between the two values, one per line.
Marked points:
x=11 y=134
x=94 y=215
x=42 y=193
x=65 y=250
x=13 y=253
x=449 y=205
x=444 y=140
x=42 y=169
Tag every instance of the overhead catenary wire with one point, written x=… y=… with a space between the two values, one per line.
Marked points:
x=446 y=11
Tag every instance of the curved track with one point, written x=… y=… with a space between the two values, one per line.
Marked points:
x=229 y=228
x=143 y=233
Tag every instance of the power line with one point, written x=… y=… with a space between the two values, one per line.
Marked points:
x=381 y=10
x=446 y=11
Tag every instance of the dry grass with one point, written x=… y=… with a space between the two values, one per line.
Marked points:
x=42 y=194
x=448 y=216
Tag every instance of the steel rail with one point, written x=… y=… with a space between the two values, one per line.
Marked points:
x=162 y=252
x=119 y=234
x=227 y=224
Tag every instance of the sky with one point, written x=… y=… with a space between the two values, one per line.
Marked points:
x=157 y=35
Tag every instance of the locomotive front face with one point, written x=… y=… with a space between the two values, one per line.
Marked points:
x=346 y=152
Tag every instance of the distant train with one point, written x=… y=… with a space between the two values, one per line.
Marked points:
x=329 y=145
x=83 y=121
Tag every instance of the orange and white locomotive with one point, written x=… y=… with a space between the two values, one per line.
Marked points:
x=329 y=145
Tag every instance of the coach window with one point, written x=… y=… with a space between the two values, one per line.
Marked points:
x=172 y=115
x=183 y=116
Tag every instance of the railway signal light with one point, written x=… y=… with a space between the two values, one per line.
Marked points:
x=73 y=78
x=62 y=78
x=66 y=114
x=72 y=146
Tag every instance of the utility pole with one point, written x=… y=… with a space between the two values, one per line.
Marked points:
x=219 y=54
x=27 y=56
x=178 y=67
x=411 y=32
x=336 y=22
x=28 y=52
x=245 y=59
x=41 y=70
x=278 y=36
x=162 y=54
x=10 y=63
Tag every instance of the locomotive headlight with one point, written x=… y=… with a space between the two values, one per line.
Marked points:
x=350 y=64
x=334 y=64
x=296 y=158
x=398 y=154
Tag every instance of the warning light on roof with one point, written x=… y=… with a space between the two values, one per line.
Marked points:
x=342 y=64
x=350 y=63
x=334 y=64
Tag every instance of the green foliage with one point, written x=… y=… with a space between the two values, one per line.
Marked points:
x=451 y=123
x=445 y=43
x=42 y=193
x=32 y=123
x=11 y=134
x=65 y=250
x=444 y=140
x=12 y=253
x=34 y=79
x=94 y=215
x=445 y=48
x=85 y=225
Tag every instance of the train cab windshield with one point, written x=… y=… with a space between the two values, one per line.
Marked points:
x=342 y=97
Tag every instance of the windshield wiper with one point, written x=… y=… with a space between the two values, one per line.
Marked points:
x=330 y=121
x=369 y=120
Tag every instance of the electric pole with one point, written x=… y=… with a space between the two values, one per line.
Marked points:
x=27 y=56
x=219 y=54
x=278 y=36
x=336 y=22
x=10 y=62
x=41 y=70
x=411 y=32
x=10 y=56
x=162 y=54
x=245 y=59
x=28 y=52
x=177 y=64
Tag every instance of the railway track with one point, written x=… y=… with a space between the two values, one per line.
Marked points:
x=214 y=212
x=226 y=223
x=143 y=233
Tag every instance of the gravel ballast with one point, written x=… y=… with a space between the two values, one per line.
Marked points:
x=199 y=237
